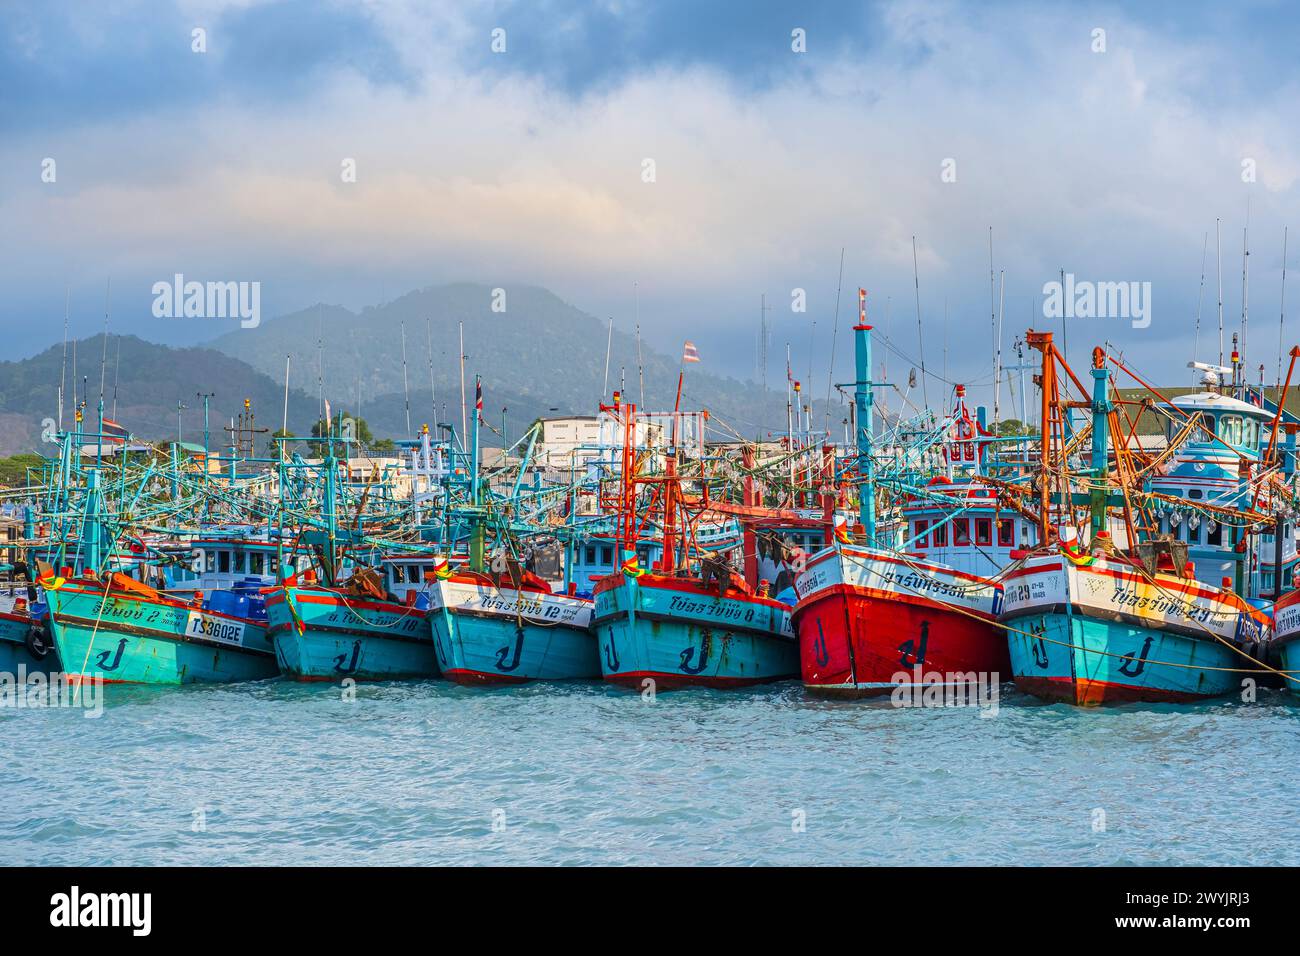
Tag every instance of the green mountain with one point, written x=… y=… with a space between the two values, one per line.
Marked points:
x=541 y=356
x=148 y=381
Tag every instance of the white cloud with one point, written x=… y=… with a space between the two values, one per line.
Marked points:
x=1104 y=164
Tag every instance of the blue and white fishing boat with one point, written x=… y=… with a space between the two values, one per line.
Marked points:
x=1087 y=624
x=510 y=627
x=690 y=619
x=354 y=630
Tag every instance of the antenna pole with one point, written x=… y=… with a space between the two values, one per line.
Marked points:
x=609 y=345
x=464 y=414
x=1218 y=269
x=1281 y=322
x=920 y=337
x=1196 y=345
x=406 y=388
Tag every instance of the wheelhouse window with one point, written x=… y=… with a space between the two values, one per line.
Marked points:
x=983 y=530
x=589 y=555
x=1230 y=429
x=607 y=554
x=919 y=533
x=939 y=536
x=1006 y=533
x=961 y=533
x=256 y=563
x=223 y=562
x=1214 y=536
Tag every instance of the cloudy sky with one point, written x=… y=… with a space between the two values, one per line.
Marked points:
x=899 y=120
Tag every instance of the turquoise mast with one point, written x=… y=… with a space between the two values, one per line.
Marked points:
x=477 y=530
x=1100 y=465
x=863 y=402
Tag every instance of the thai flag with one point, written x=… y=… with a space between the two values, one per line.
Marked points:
x=114 y=432
x=478 y=396
x=689 y=354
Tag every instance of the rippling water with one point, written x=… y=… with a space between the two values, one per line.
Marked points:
x=421 y=773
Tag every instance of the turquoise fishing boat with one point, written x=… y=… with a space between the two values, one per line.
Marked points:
x=495 y=629
x=1113 y=631
x=332 y=633
x=1088 y=623
x=691 y=619
x=679 y=631
x=123 y=632
x=1286 y=639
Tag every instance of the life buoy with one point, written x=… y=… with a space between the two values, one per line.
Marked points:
x=37 y=642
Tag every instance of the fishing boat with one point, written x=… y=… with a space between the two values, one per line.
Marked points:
x=1088 y=623
x=872 y=618
x=1116 y=630
x=355 y=630
x=497 y=622
x=115 y=629
x=509 y=627
x=1286 y=639
x=24 y=640
x=690 y=619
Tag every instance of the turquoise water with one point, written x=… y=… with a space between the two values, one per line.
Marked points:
x=280 y=773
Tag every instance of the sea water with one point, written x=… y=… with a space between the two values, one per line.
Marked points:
x=427 y=772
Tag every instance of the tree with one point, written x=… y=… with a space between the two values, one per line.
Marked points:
x=342 y=425
x=272 y=445
x=1014 y=427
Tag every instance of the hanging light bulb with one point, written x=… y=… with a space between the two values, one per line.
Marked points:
x=1211 y=525
x=1175 y=518
x=1194 y=521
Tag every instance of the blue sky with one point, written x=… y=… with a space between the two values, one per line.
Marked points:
x=526 y=165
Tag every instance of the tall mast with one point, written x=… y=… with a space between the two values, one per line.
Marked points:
x=1245 y=279
x=406 y=388
x=63 y=371
x=1281 y=322
x=464 y=413
x=433 y=389
x=920 y=337
x=1101 y=409
x=1218 y=269
x=1200 y=292
x=862 y=401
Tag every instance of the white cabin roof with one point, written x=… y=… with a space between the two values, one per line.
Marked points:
x=1214 y=402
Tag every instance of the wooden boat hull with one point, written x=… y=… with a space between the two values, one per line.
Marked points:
x=1099 y=634
x=134 y=639
x=323 y=635
x=1078 y=659
x=489 y=635
x=867 y=624
x=675 y=633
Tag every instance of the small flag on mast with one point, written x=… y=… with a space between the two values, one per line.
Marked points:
x=478 y=398
x=689 y=354
x=862 y=306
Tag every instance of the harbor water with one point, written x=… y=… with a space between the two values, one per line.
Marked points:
x=274 y=772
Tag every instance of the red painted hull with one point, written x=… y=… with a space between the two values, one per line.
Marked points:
x=853 y=642
x=471 y=678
